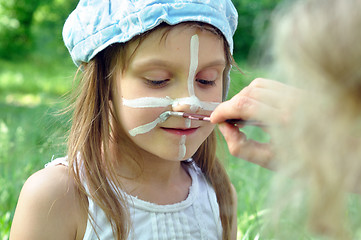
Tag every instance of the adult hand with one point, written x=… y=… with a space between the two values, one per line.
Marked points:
x=266 y=101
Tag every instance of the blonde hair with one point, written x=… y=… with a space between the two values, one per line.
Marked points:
x=316 y=46
x=96 y=125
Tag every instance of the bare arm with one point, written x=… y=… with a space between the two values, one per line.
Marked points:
x=48 y=207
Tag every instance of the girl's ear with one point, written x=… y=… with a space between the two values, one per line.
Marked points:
x=114 y=101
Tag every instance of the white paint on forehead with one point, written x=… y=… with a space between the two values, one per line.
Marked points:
x=152 y=102
x=194 y=48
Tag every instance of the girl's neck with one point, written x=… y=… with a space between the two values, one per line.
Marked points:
x=155 y=180
x=160 y=170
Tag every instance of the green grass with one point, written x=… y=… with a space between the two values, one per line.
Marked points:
x=31 y=133
x=250 y=181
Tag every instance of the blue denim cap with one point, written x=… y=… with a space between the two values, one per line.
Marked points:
x=95 y=24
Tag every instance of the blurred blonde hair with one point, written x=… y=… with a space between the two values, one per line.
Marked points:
x=316 y=46
x=96 y=126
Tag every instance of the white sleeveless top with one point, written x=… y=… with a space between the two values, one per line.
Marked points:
x=196 y=218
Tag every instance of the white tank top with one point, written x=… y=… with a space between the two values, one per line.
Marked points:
x=196 y=218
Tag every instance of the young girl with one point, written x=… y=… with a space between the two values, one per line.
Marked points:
x=133 y=170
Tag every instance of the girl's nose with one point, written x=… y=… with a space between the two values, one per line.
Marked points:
x=187 y=105
x=185 y=98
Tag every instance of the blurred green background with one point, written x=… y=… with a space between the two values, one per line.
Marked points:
x=36 y=75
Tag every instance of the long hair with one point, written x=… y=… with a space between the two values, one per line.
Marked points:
x=96 y=125
x=316 y=46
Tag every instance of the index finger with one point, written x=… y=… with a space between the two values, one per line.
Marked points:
x=224 y=111
x=239 y=107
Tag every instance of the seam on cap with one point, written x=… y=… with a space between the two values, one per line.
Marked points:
x=136 y=12
x=139 y=19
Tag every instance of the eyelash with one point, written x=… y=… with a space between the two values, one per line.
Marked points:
x=157 y=83
x=206 y=82
x=162 y=83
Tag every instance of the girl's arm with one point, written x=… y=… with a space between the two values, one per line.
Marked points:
x=48 y=207
x=234 y=220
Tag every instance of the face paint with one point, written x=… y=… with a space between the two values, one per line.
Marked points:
x=147 y=102
x=182 y=143
x=148 y=127
x=182 y=148
x=194 y=48
x=152 y=102
x=193 y=101
x=188 y=123
x=194 y=45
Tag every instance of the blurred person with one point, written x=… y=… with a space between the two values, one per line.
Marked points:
x=316 y=131
x=317 y=48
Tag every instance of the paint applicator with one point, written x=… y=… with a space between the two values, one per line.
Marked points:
x=208 y=119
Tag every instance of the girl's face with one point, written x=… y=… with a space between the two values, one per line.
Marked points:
x=181 y=71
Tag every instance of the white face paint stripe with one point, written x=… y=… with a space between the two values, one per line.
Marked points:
x=194 y=48
x=147 y=102
x=149 y=126
x=188 y=123
x=193 y=65
x=195 y=102
x=182 y=148
x=151 y=102
x=182 y=143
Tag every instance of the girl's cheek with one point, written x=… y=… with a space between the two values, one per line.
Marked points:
x=210 y=95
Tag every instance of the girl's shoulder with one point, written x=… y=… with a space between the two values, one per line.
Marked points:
x=49 y=207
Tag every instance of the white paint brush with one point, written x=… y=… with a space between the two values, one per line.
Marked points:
x=208 y=119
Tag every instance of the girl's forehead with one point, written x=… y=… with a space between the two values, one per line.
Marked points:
x=175 y=39
x=163 y=30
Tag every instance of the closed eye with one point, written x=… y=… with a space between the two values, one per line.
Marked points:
x=157 y=83
x=206 y=83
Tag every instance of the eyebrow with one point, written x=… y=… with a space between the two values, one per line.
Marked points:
x=154 y=62
x=217 y=62
x=151 y=62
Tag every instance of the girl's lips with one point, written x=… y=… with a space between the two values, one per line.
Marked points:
x=180 y=131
